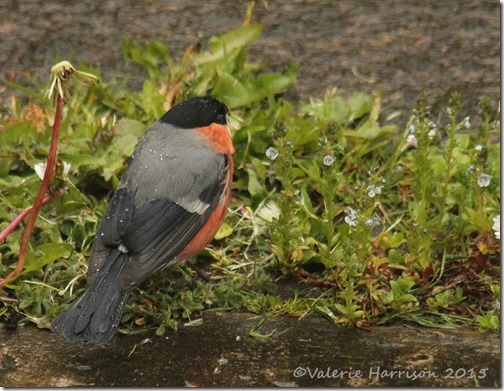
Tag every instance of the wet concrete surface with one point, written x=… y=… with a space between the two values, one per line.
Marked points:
x=220 y=352
x=399 y=47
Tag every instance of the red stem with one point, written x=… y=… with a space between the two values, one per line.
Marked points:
x=51 y=162
x=12 y=226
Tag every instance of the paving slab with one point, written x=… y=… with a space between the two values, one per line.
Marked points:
x=219 y=351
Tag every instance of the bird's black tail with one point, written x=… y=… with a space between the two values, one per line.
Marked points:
x=97 y=314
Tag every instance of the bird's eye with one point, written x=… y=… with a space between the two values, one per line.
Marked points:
x=220 y=119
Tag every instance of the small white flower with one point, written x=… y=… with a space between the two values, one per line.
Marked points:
x=478 y=147
x=412 y=140
x=271 y=153
x=467 y=123
x=350 y=222
x=483 y=180
x=41 y=167
x=369 y=222
x=431 y=134
x=328 y=160
x=496 y=226
x=322 y=140
x=412 y=128
x=351 y=217
x=373 y=190
x=469 y=169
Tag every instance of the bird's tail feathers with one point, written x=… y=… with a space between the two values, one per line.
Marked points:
x=97 y=314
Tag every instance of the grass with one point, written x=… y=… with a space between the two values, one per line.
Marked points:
x=333 y=212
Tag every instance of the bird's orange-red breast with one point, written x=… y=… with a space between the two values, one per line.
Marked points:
x=171 y=201
x=220 y=140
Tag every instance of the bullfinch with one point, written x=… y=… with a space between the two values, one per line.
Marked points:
x=171 y=201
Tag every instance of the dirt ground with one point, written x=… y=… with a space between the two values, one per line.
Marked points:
x=400 y=47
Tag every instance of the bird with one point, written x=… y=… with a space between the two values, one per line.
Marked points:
x=172 y=199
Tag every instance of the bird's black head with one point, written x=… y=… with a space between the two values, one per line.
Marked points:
x=196 y=113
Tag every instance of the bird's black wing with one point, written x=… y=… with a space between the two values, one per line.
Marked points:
x=152 y=234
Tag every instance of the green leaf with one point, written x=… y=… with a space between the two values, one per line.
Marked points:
x=11 y=181
x=130 y=126
x=438 y=165
x=303 y=132
x=224 y=231
x=369 y=131
x=50 y=253
x=160 y=331
x=127 y=135
x=254 y=187
x=396 y=257
x=18 y=134
x=272 y=83
x=77 y=161
x=231 y=91
x=229 y=43
x=152 y=100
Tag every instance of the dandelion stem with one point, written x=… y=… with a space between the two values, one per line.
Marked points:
x=12 y=226
x=39 y=200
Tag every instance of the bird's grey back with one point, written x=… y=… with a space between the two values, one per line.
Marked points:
x=174 y=162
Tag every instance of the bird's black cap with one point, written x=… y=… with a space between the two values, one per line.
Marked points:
x=196 y=113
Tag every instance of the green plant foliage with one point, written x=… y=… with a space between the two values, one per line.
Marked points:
x=333 y=211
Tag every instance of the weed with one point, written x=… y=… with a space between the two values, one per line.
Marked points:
x=375 y=223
